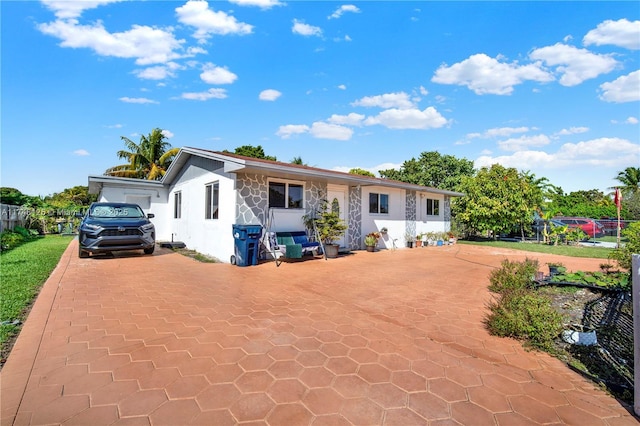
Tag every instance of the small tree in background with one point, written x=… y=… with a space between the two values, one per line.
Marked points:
x=253 y=152
x=361 y=172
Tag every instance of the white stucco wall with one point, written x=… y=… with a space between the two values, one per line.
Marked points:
x=427 y=223
x=394 y=221
x=208 y=236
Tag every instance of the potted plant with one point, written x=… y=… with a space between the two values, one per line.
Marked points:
x=556 y=268
x=409 y=240
x=371 y=240
x=419 y=240
x=330 y=227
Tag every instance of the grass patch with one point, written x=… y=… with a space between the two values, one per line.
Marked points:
x=23 y=270
x=573 y=251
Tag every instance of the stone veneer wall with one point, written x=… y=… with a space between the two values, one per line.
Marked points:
x=447 y=210
x=314 y=193
x=354 y=218
x=410 y=213
x=252 y=198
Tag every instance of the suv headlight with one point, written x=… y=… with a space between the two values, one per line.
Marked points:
x=91 y=227
x=147 y=227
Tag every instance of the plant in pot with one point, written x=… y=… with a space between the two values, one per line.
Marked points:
x=409 y=240
x=371 y=241
x=556 y=268
x=330 y=227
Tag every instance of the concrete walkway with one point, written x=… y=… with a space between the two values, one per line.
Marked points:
x=393 y=337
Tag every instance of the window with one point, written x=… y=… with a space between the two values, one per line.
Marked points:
x=285 y=195
x=212 y=194
x=378 y=203
x=433 y=207
x=177 y=205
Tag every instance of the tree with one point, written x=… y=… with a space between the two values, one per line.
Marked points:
x=496 y=199
x=432 y=169
x=72 y=198
x=361 y=172
x=298 y=161
x=253 y=151
x=630 y=180
x=148 y=159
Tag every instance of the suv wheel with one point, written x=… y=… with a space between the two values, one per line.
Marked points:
x=149 y=250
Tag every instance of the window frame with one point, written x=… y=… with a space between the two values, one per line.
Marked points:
x=211 y=200
x=378 y=203
x=287 y=184
x=435 y=205
x=177 y=205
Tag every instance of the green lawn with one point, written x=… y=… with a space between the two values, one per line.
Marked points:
x=23 y=270
x=563 y=250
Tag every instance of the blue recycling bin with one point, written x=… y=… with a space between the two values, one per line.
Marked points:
x=247 y=244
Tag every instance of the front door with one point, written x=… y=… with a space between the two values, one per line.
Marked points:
x=340 y=194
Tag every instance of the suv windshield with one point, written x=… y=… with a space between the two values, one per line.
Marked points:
x=132 y=212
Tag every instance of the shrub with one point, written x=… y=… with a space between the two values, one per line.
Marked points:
x=22 y=231
x=623 y=254
x=527 y=316
x=10 y=239
x=513 y=276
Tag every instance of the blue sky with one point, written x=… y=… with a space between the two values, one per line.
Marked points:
x=549 y=87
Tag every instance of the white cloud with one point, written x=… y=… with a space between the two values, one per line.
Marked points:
x=137 y=100
x=622 y=33
x=388 y=100
x=262 y=4
x=342 y=9
x=285 y=132
x=305 y=29
x=423 y=91
x=213 y=74
x=486 y=75
x=408 y=119
x=352 y=119
x=523 y=142
x=631 y=120
x=115 y=126
x=81 y=152
x=196 y=13
x=572 y=131
x=498 y=132
x=159 y=72
x=269 y=95
x=575 y=65
x=147 y=45
x=342 y=87
x=65 y=9
x=167 y=133
x=623 y=89
x=603 y=152
x=213 y=93
x=322 y=130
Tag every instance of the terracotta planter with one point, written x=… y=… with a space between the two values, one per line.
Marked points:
x=418 y=243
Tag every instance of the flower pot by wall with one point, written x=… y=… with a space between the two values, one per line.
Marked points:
x=371 y=248
x=331 y=250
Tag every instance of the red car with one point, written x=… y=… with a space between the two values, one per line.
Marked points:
x=590 y=227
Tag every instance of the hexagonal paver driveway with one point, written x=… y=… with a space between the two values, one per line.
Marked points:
x=393 y=337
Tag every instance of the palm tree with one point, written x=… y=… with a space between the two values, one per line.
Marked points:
x=630 y=180
x=148 y=159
